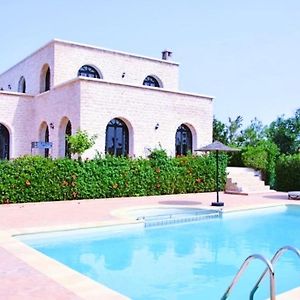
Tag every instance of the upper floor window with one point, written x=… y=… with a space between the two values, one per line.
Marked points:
x=22 y=85
x=151 y=81
x=88 y=71
x=183 y=140
x=45 y=79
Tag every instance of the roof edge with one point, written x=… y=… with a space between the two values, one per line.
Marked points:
x=56 y=40
x=154 y=89
x=28 y=56
x=114 y=51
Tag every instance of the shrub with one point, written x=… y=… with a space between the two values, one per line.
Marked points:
x=30 y=179
x=235 y=159
x=288 y=173
x=262 y=157
x=80 y=142
x=34 y=178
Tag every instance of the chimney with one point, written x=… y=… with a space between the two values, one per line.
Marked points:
x=166 y=54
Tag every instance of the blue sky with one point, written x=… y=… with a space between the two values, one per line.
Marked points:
x=244 y=53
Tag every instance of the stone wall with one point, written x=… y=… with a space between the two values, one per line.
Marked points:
x=142 y=108
x=56 y=107
x=89 y=104
x=16 y=111
x=30 y=68
x=66 y=58
x=114 y=66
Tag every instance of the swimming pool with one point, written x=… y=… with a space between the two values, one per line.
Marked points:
x=186 y=261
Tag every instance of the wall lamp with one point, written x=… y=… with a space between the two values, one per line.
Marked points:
x=51 y=125
x=156 y=126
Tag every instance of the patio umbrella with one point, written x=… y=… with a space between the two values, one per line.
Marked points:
x=217 y=146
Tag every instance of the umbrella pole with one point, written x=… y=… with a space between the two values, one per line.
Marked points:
x=218 y=203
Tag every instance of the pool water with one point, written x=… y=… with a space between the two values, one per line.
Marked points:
x=186 y=261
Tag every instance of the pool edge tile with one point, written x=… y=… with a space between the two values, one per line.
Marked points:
x=80 y=285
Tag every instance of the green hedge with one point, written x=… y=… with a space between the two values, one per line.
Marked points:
x=288 y=173
x=33 y=178
x=262 y=157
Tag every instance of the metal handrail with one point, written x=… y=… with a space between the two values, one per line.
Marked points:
x=242 y=269
x=274 y=259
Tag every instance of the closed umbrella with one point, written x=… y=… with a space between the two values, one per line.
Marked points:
x=217 y=146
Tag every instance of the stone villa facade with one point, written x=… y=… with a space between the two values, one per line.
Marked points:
x=131 y=102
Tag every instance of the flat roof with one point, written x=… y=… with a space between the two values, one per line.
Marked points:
x=70 y=43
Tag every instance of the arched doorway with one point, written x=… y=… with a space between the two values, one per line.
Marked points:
x=44 y=137
x=47 y=141
x=4 y=142
x=183 y=140
x=117 y=138
x=68 y=132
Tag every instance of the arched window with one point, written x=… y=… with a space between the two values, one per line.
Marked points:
x=22 y=85
x=88 y=71
x=68 y=132
x=151 y=81
x=183 y=140
x=4 y=142
x=117 y=138
x=45 y=79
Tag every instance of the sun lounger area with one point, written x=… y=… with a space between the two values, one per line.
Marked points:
x=295 y=195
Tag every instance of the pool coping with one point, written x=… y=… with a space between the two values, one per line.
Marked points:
x=79 y=284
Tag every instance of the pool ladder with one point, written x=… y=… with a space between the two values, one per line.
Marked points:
x=269 y=269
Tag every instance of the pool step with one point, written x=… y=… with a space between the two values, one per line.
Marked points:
x=177 y=219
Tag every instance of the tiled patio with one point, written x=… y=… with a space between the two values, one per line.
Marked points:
x=27 y=274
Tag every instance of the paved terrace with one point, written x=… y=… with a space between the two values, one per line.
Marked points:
x=28 y=274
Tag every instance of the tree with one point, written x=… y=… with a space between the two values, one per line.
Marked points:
x=227 y=134
x=233 y=130
x=285 y=133
x=80 y=142
x=253 y=134
x=220 y=131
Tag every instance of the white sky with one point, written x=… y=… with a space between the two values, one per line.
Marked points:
x=245 y=53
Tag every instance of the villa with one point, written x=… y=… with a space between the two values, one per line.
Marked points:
x=130 y=102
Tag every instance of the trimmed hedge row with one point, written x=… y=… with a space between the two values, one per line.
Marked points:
x=34 y=178
x=288 y=173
